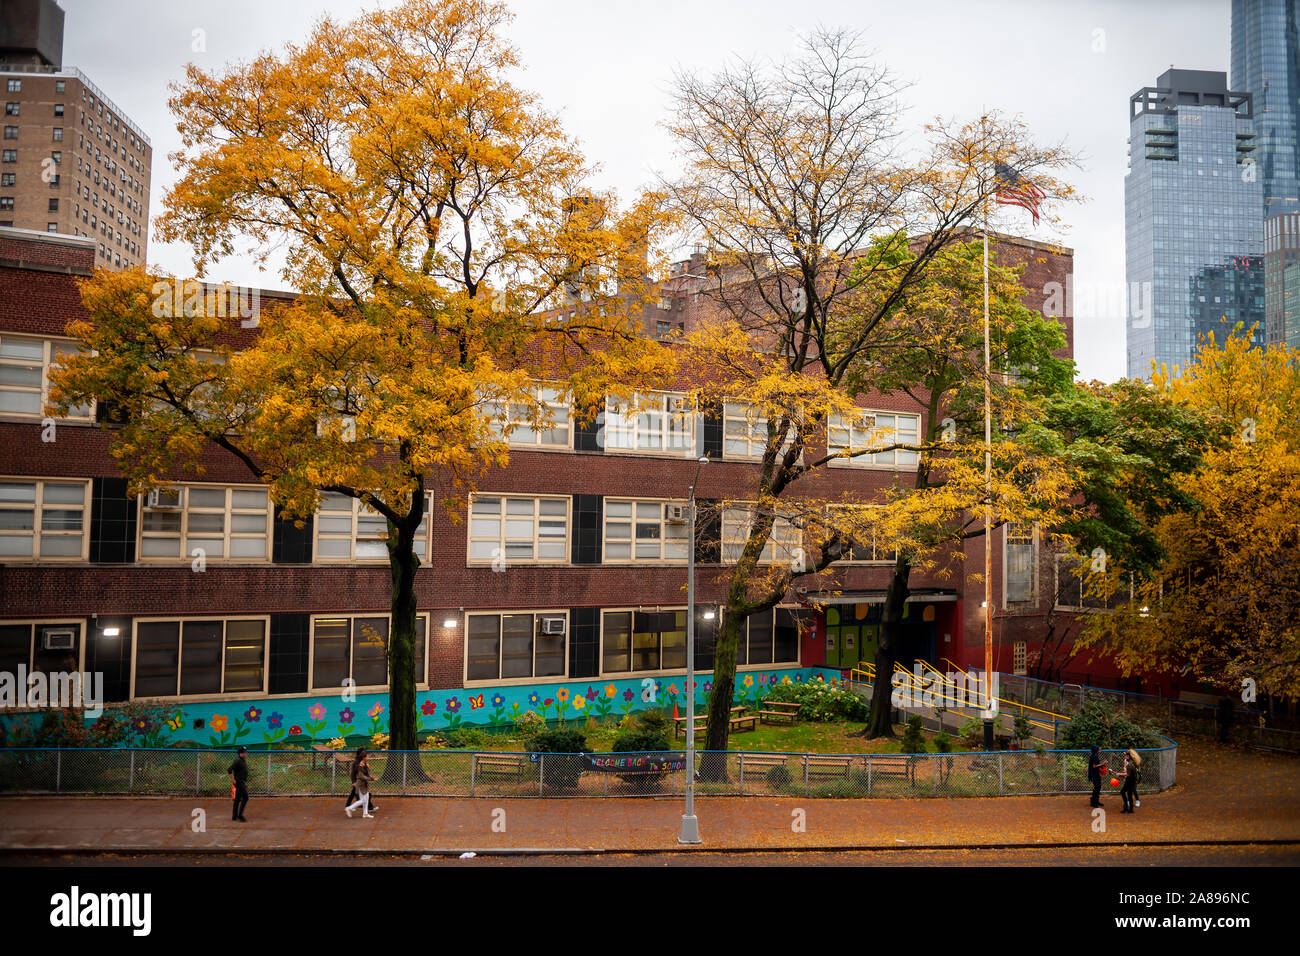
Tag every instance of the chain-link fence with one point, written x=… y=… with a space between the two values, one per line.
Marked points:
x=203 y=773
x=1248 y=726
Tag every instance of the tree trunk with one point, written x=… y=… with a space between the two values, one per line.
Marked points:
x=891 y=633
x=713 y=763
x=401 y=651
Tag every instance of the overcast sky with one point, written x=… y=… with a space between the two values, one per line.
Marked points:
x=1067 y=67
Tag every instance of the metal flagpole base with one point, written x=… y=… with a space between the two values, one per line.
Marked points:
x=690 y=830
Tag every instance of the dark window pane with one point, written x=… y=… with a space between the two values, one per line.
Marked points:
x=201 y=657
x=550 y=653
x=484 y=647
x=760 y=638
x=331 y=652
x=15 y=647
x=157 y=659
x=421 y=672
x=674 y=640
x=517 y=645
x=615 y=659
x=245 y=656
x=370 y=651
x=786 y=638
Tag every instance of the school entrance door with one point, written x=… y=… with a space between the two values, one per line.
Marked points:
x=851 y=634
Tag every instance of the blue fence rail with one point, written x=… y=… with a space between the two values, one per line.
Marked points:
x=432 y=773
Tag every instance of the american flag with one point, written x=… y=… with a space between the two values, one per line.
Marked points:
x=1011 y=190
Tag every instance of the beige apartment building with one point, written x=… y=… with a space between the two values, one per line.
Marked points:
x=72 y=162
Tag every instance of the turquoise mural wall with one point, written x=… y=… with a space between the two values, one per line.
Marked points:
x=318 y=719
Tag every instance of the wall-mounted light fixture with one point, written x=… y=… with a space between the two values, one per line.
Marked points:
x=112 y=631
x=709 y=615
x=450 y=622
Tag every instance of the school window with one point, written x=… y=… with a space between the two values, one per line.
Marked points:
x=769 y=637
x=645 y=530
x=1020 y=562
x=11 y=132
x=9 y=156
x=357 y=648
x=60 y=86
x=649 y=423
x=642 y=641
x=58 y=109
x=6 y=203
x=744 y=432
x=43 y=519
x=782 y=544
x=1018 y=657
x=44 y=646
x=516 y=646
x=7 y=179
x=225 y=523
x=873 y=430
x=54 y=205
x=15 y=86
x=1078 y=587
x=25 y=365
x=348 y=530
x=865 y=546
x=532 y=530
x=58 y=134
x=193 y=657
x=552 y=430
x=11 y=109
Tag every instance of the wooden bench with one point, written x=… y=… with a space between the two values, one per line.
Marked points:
x=340 y=756
x=509 y=766
x=761 y=762
x=892 y=765
x=827 y=766
x=701 y=723
x=741 y=721
x=776 y=709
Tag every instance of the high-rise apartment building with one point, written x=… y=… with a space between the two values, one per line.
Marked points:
x=72 y=162
x=1193 y=236
x=1266 y=62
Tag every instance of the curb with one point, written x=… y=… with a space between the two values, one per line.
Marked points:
x=633 y=851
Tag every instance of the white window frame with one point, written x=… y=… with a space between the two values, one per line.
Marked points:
x=860 y=436
x=633 y=521
x=350 y=617
x=181 y=621
x=1019 y=658
x=357 y=512
x=734 y=537
x=734 y=412
x=48 y=349
x=1033 y=541
x=503 y=541
x=34 y=624
x=38 y=507
x=470 y=682
x=510 y=425
x=628 y=424
x=227 y=534
x=657 y=672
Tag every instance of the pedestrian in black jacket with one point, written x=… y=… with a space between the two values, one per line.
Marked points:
x=239 y=779
x=1096 y=767
x=1132 y=766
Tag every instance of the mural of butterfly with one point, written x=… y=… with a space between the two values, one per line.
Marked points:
x=476 y=702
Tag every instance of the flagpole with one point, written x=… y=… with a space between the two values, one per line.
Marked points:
x=988 y=498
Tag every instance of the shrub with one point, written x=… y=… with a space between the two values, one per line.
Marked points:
x=338 y=743
x=1022 y=730
x=560 y=772
x=972 y=733
x=529 y=724
x=627 y=723
x=638 y=741
x=778 y=777
x=653 y=721
x=1097 y=723
x=469 y=737
x=942 y=742
x=820 y=701
x=379 y=742
x=912 y=742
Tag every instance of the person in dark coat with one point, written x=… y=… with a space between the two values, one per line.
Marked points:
x=1132 y=766
x=239 y=780
x=1096 y=767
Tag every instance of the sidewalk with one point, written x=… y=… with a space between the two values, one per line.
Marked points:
x=1223 y=796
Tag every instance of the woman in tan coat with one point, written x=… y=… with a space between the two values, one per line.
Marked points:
x=361 y=779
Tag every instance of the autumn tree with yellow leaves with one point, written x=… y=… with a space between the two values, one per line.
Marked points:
x=821 y=230
x=1225 y=601
x=431 y=212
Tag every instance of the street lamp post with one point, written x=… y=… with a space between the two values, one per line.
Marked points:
x=690 y=825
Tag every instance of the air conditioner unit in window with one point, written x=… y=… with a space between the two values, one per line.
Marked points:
x=675 y=514
x=676 y=404
x=58 y=640
x=163 y=498
x=552 y=625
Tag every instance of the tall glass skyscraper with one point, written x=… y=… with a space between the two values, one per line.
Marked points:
x=1266 y=63
x=1192 y=225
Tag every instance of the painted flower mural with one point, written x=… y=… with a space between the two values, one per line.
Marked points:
x=451 y=712
x=429 y=708
x=375 y=713
x=273 y=729
x=252 y=715
x=317 y=723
